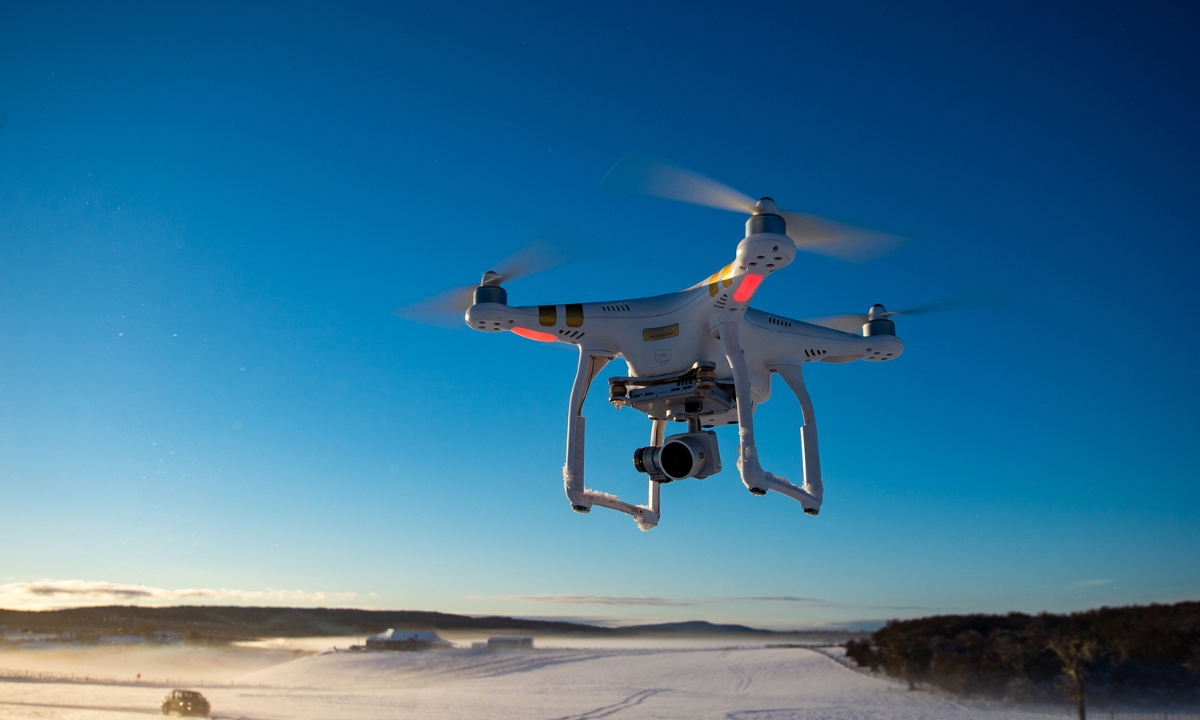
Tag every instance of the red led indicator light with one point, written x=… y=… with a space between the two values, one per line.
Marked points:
x=535 y=335
x=746 y=290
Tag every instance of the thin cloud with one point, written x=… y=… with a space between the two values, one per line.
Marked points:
x=810 y=603
x=74 y=588
x=804 y=602
x=1092 y=583
x=573 y=599
x=75 y=593
x=772 y=598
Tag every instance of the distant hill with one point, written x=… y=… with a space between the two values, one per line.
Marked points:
x=228 y=624
x=692 y=626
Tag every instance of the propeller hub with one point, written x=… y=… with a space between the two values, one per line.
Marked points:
x=491 y=278
x=765 y=219
x=766 y=205
x=877 y=312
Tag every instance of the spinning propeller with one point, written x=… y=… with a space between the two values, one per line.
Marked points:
x=553 y=247
x=639 y=173
x=853 y=322
x=642 y=174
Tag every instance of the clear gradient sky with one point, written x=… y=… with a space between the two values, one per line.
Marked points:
x=208 y=213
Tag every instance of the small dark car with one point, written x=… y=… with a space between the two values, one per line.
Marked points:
x=185 y=702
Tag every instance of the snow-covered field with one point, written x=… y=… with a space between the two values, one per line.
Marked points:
x=751 y=683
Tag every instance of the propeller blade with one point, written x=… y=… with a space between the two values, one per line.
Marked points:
x=833 y=239
x=553 y=246
x=965 y=301
x=642 y=174
x=446 y=309
x=852 y=323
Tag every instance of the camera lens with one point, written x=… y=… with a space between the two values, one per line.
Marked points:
x=676 y=460
x=639 y=460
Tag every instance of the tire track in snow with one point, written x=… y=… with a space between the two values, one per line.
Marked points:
x=105 y=708
x=447 y=668
x=68 y=706
x=601 y=712
x=520 y=664
x=743 y=677
x=525 y=662
x=468 y=669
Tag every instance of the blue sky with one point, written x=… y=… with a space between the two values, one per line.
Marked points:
x=207 y=215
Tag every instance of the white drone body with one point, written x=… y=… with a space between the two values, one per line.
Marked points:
x=699 y=356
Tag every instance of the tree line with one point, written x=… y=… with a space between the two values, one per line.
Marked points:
x=1111 y=655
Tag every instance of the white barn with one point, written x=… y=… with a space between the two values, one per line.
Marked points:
x=394 y=639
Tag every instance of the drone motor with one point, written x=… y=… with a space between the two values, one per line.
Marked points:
x=489 y=290
x=878 y=322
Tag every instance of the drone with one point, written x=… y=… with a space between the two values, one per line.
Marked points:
x=701 y=356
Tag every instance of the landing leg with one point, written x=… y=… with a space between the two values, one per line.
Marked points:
x=793 y=375
x=757 y=480
x=589 y=367
x=582 y=499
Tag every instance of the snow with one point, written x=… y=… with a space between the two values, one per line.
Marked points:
x=564 y=684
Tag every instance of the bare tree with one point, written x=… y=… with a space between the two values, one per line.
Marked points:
x=1075 y=651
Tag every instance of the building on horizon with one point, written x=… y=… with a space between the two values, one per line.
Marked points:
x=509 y=643
x=393 y=639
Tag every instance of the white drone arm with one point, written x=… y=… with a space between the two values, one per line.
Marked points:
x=582 y=499
x=725 y=326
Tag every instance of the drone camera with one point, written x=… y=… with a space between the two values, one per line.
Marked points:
x=683 y=456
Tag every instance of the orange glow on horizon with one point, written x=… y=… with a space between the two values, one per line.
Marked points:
x=535 y=335
x=746 y=290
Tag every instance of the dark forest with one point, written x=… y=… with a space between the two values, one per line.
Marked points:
x=1141 y=654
